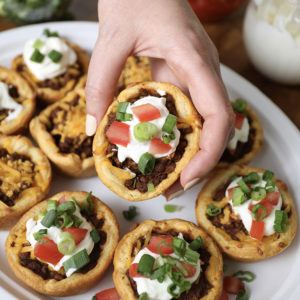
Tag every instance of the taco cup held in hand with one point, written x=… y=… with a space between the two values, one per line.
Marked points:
x=248 y=212
x=51 y=65
x=170 y=259
x=63 y=245
x=148 y=135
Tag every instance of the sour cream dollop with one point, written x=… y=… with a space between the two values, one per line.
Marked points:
x=7 y=102
x=240 y=135
x=48 y=69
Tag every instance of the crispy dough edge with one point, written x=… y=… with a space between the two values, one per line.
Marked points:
x=76 y=283
x=122 y=257
x=31 y=196
x=251 y=250
x=20 y=123
x=114 y=177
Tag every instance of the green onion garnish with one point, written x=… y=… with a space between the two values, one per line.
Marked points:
x=170 y=208
x=191 y=256
x=145 y=131
x=179 y=246
x=281 y=221
x=239 y=105
x=242 y=295
x=37 y=56
x=146 y=163
x=68 y=206
x=268 y=175
x=196 y=244
x=88 y=204
x=258 y=193
x=238 y=196
x=171 y=290
x=244 y=186
x=77 y=261
x=95 y=236
x=38 y=44
x=131 y=213
x=270 y=185
x=213 y=210
x=144 y=296
x=145 y=265
x=76 y=221
x=259 y=212
x=122 y=107
x=252 y=177
x=55 y=56
x=169 y=124
x=123 y=117
x=66 y=245
x=166 y=139
x=49 y=218
x=49 y=33
x=245 y=276
x=51 y=204
x=150 y=187
x=40 y=234
x=64 y=220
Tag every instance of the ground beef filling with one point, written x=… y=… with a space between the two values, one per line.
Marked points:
x=199 y=288
x=230 y=156
x=66 y=125
x=43 y=270
x=163 y=166
x=16 y=175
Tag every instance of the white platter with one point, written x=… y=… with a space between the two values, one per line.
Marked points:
x=277 y=278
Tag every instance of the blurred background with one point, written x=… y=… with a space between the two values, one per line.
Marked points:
x=259 y=39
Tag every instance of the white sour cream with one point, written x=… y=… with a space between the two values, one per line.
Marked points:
x=7 y=102
x=48 y=69
x=154 y=289
x=240 y=135
x=245 y=214
x=54 y=233
x=135 y=149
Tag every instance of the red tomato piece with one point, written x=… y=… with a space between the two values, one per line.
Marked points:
x=157 y=146
x=224 y=295
x=257 y=229
x=190 y=269
x=161 y=244
x=133 y=271
x=46 y=250
x=273 y=197
x=267 y=204
x=146 y=112
x=233 y=285
x=109 y=294
x=118 y=133
x=239 y=119
x=77 y=233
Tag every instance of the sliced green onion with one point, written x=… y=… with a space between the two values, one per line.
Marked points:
x=76 y=221
x=191 y=256
x=184 y=285
x=146 y=163
x=242 y=295
x=37 y=56
x=88 y=204
x=245 y=276
x=259 y=212
x=160 y=273
x=252 y=177
x=150 y=187
x=122 y=107
x=49 y=33
x=66 y=245
x=244 y=186
x=270 y=185
x=77 y=261
x=166 y=139
x=170 y=208
x=213 y=210
x=40 y=234
x=196 y=244
x=68 y=206
x=55 y=56
x=281 y=221
x=131 y=213
x=145 y=131
x=145 y=265
x=123 y=117
x=64 y=220
x=49 y=218
x=38 y=44
x=169 y=124
x=238 y=196
x=268 y=175
x=179 y=246
x=95 y=236
x=258 y=193
x=171 y=290
x=144 y=296
x=51 y=204
x=239 y=105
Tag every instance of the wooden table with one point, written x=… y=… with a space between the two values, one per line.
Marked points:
x=227 y=35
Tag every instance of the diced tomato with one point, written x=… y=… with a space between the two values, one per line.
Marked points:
x=224 y=295
x=239 y=119
x=267 y=204
x=146 y=112
x=118 y=133
x=77 y=233
x=109 y=294
x=273 y=197
x=46 y=250
x=190 y=269
x=133 y=271
x=257 y=229
x=157 y=146
x=161 y=244
x=233 y=285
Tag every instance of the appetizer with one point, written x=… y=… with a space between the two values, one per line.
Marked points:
x=63 y=245
x=248 y=212
x=17 y=102
x=248 y=136
x=25 y=176
x=171 y=259
x=148 y=135
x=59 y=130
x=51 y=65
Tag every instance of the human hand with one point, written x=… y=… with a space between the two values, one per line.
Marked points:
x=170 y=33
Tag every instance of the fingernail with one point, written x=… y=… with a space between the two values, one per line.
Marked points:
x=90 y=125
x=191 y=183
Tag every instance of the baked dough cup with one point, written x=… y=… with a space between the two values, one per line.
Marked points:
x=250 y=149
x=133 y=241
x=241 y=246
x=53 y=90
x=77 y=282
x=25 y=176
x=59 y=131
x=114 y=177
x=23 y=94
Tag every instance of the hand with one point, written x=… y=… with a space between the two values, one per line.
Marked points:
x=170 y=33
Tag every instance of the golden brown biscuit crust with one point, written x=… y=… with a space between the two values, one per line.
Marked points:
x=12 y=177
x=123 y=255
x=246 y=248
x=114 y=177
x=26 y=98
x=77 y=282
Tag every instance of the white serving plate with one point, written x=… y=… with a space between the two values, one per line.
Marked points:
x=277 y=278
